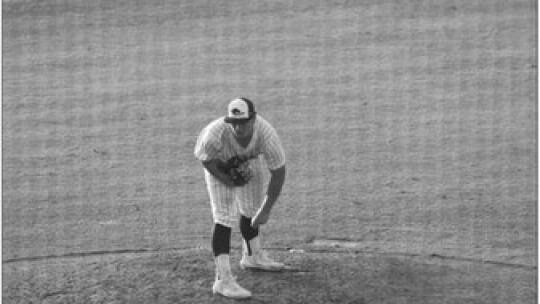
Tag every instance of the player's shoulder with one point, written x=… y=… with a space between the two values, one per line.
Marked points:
x=263 y=126
x=216 y=124
x=215 y=127
x=262 y=123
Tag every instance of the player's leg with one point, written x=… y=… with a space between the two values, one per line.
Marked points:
x=250 y=198
x=225 y=214
x=251 y=195
x=224 y=208
x=225 y=283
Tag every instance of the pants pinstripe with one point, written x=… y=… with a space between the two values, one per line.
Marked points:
x=227 y=202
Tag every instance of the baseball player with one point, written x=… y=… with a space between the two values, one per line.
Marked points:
x=232 y=149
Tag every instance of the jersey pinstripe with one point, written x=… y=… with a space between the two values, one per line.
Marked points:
x=217 y=141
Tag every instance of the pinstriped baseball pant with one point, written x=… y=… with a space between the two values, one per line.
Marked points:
x=227 y=202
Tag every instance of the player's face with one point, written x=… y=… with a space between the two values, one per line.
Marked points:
x=243 y=130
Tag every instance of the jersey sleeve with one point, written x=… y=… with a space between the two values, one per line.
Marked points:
x=208 y=145
x=273 y=152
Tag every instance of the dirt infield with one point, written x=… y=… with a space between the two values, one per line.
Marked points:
x=333 y=277
x=410 y=132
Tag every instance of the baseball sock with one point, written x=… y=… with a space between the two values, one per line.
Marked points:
x=248 y=232
x=221 y=239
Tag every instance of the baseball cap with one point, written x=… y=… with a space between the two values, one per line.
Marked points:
x=240 y=110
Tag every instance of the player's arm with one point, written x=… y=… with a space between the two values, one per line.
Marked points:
x=275 y=185
x=214 y=167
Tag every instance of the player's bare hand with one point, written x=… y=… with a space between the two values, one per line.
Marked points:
x=260 y=218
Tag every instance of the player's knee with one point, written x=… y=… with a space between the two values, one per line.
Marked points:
x=227 y=220
x=248 y=232
x=221 y=239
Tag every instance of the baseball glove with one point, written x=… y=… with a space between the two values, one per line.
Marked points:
x=238 y=170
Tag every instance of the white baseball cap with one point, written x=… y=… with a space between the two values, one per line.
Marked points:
x=240 y=110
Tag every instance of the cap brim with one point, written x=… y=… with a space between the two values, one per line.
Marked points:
x=239 y=120
x=236 y=120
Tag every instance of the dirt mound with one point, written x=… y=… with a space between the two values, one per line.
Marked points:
x=186 y=276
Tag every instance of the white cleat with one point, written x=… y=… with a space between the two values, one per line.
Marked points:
x=261 y=261
x=229 y=288
x=225 y=283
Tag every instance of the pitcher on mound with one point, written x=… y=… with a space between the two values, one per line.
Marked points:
x=231 y=149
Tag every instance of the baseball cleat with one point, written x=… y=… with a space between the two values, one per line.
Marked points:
x=261 y=261
x=229 y=288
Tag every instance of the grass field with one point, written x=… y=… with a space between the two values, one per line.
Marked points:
x=410 y=130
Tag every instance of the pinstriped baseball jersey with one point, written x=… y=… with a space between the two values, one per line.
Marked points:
x=217 y=141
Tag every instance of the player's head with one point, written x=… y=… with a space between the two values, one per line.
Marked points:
x=241 y=115
x=240 y=110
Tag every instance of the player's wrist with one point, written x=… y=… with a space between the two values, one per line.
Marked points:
x=267 y=204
